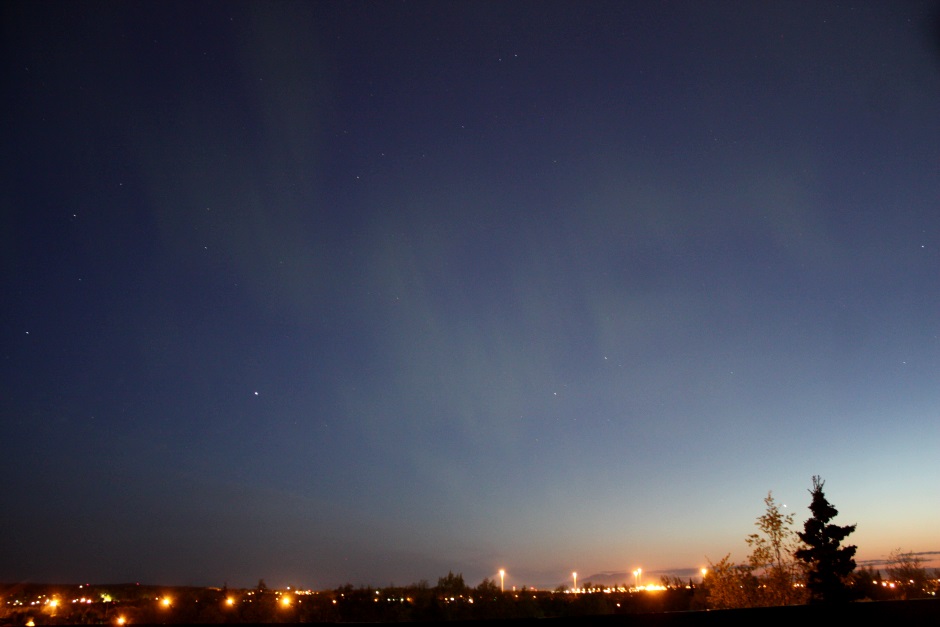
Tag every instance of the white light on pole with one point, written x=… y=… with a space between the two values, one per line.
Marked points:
x=575 y=577
x=502 y=580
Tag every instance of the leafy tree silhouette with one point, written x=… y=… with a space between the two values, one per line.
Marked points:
x=828 y=562
x=772 y=557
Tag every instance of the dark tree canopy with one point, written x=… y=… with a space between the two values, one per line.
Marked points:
x=451 y=584
x=828 y=562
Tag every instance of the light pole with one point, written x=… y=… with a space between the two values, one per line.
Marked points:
x=575 y=577
x=502 y=580
x=636 y=575
x=704 y=572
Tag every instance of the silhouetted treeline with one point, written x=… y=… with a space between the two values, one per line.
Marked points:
x=450 y=600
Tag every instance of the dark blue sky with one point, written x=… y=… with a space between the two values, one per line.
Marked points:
x=367 y=292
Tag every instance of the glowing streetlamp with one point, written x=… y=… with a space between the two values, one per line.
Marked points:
x=575 y=577
x=502 y=580
x=636 y=577
x=704 y=572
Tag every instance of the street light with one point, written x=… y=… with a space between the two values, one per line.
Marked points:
x=575 y=577
x=704 y=572
x=636 y=575
x=502 y=580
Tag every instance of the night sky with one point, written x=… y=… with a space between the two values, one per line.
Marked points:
x=370 y=291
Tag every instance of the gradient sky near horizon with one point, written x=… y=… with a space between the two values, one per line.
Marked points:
x=367 y=292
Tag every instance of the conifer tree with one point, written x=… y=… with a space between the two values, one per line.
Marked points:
x=828 y=562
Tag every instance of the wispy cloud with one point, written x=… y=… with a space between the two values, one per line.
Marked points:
x=926 y=556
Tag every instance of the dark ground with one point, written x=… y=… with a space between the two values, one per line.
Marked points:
x=918 y=612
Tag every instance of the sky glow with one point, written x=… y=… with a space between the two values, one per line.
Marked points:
x=369 y=292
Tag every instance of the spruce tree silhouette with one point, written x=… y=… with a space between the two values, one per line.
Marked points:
x=828 y=563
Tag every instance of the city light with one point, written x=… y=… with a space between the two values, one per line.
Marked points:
x=280 y=603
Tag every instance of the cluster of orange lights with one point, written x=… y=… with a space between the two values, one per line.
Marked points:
x=287 y=600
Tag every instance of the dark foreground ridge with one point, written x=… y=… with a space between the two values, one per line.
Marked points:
x=919 y=611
